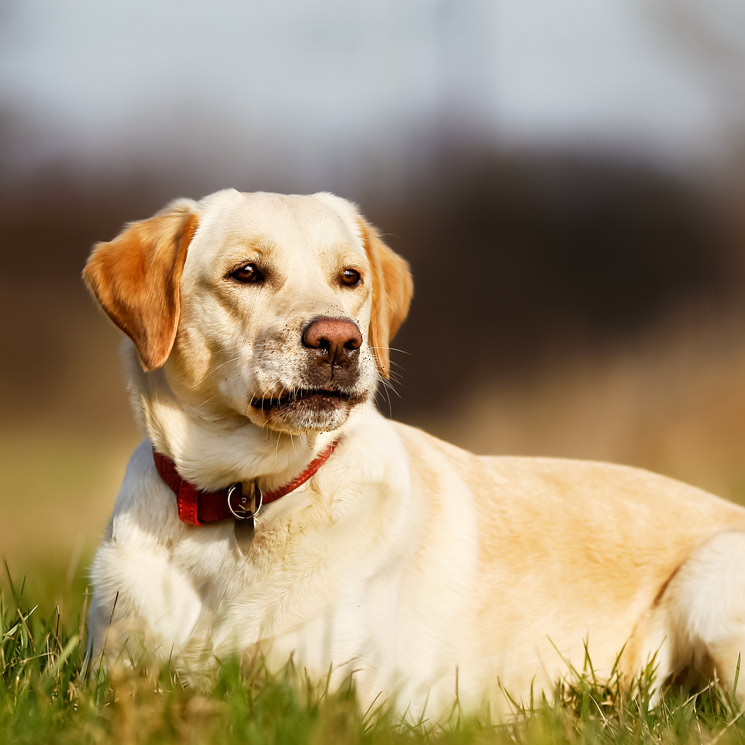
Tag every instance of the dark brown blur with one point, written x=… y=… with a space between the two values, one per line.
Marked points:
x=571 y=299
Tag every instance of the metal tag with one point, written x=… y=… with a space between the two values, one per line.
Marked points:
x=244 y=508
x=244 y=534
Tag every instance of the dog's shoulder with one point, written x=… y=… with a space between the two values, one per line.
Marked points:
x=144 y=511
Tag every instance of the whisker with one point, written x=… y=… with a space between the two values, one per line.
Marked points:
x=222 y=364
x=390 y=405
x=393 y=349
x=207 y=400
x=391 y=385
x=395 y=377
x=388 y=386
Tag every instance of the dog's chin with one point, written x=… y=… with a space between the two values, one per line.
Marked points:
x=305 y=410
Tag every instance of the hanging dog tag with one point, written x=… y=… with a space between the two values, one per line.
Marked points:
x=244 y=534
x=244 y=508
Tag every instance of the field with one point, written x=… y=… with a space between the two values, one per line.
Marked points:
x=47 y=697
x=673 y=403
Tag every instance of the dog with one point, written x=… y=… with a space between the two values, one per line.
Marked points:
x=273 y=511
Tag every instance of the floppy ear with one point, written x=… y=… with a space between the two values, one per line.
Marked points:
x=391 y=294
x=136 y=278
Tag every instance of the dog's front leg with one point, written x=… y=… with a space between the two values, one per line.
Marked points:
x=142 y=601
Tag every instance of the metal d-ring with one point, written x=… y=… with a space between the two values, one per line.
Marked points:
x=243 y=512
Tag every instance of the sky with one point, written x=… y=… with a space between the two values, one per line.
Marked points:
x=319 y=86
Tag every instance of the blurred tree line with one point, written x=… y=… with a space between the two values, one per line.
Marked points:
x=519 y=257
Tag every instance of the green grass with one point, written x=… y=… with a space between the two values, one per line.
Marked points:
x=45 y=697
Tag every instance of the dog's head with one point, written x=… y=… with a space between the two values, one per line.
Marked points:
x=276 y=308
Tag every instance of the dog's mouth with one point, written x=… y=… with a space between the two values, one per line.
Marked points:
x=317 y=398
x=306 y=409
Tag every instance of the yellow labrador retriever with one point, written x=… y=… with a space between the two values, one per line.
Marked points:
x=272 y=510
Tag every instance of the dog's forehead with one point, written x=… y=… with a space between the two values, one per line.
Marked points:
x=233 y=219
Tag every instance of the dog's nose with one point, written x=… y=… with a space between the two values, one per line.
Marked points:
x=335 y=339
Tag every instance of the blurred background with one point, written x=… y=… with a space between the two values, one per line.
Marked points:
x=566 y=179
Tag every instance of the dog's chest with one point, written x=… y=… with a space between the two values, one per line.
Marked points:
x=290 y=595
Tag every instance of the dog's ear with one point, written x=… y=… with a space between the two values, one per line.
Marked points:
x=136 y=278
x=391 y=294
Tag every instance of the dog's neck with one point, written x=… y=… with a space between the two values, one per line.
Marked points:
x=214 y=452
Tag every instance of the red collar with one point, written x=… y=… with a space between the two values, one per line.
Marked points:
x=197 y=507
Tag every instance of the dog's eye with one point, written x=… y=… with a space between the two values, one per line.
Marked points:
x=248 y=273
x=350 y=277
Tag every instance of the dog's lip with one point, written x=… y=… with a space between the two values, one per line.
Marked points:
x=301 y=394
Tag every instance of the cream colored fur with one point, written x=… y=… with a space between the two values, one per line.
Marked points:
x=426 y=570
